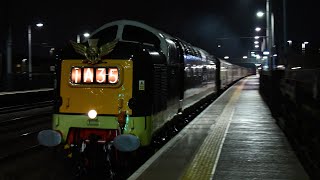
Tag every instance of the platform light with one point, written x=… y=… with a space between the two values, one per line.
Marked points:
x=281 y=67
x=86 y=34
x=266 y=52
x=298 y=67
x=256 y=37
x=258 y=29
x=256 y=42
x=256 y=46
x=258 y=56
x=39 y=24
x=260 y=14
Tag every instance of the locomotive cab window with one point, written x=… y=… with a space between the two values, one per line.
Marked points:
x=133 y=33
x=106 y=35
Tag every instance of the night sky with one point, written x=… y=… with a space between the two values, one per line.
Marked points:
x=198 y=22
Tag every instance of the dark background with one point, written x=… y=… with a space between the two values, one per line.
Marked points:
x=198 y=22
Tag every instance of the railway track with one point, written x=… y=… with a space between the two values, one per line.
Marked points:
x=24 y=107
x=19 y=135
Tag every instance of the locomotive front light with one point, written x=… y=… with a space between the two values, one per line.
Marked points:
x=92 y=114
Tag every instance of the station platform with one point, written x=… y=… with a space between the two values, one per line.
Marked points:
x=235 y=137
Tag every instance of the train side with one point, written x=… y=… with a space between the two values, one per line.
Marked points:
x=145 y=78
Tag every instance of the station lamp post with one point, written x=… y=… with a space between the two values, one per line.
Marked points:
x=86 y=35
x=30 y=48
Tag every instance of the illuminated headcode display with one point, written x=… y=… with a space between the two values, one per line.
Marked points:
x=94 y=75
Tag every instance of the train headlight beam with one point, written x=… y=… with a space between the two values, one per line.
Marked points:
x=92 y=114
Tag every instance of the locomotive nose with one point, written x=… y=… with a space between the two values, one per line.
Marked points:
x=49 y=138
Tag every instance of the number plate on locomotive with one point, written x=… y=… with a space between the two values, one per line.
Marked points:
x=94 y=75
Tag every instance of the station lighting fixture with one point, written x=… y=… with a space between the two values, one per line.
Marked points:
x=226 y=57
x=256 y=37
x=258 y=29
x=256 y=42
x=86 y=34
x=39 y=24
x=245 y=57
x=266 y=52
x=260 y=14
x=256 y=46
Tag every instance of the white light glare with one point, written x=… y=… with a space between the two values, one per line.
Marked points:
x=275 y=55
x=245 y=57
x=306 y=42
x=298 y=67
x=260 y=14
x=266 y=52
x=281 y=67
x=256 y=42
x=258 y=56
x=226 y=57
x=39 y=24
x=257 y=64
x=258 y=29
x=289 y=41
x=92 y=114
x=86 y=35
x=256 y=37
x=256 y=46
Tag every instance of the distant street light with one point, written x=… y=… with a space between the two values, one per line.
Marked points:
x=30 y=50
x=86 y=35
x=39 y=24
x=304 y=47
x=226 y=57
x=266 y=52
x=258 y=29
x=260 y=14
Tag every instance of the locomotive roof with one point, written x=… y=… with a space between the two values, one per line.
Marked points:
x=122 y=23
x=163 y=37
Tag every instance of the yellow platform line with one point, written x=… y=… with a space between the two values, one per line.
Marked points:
x=203 y=165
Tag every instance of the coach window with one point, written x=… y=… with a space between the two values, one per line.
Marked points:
x=106 y=35
x=133 y=33
x=173 y=52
